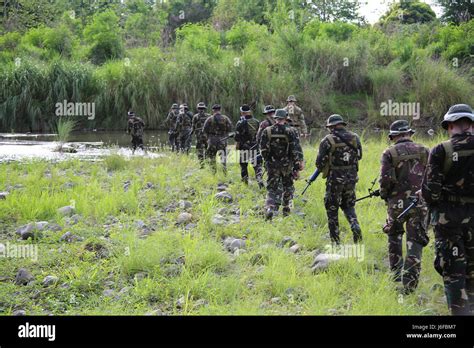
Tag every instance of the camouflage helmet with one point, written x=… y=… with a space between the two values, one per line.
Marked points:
x=131 y=113
x=268 y=109
x=174 y=106
x=334 y=120
x=184 y=105
x=245 y=108
x=201 y=105
x=216 y=107
x=280 y=113
x=400 y=127
x=456 y=112
x=291 y=98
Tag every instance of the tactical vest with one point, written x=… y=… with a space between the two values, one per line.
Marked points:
x=218 y=127
x=278 y=144
x=447 y=166
x=397 y=158
x=252 y=129
x=334 y=145
x=137 y=128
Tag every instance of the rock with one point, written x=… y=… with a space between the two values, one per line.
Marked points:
x=234 y=219
x=23 y=277
x=126 y=185
x=19 y=313
x=68 y=185
x=99 y=249
x=140 y=276
x=231 y=244
x=170 y=207
x=40 y=226
x=27 y=231
x=295 y=248
x=50 y=280
x=185 y=205
x=184 y=218
x=199 y=303
x=238 y=251
x=180 y=302
x=3 y=195
x=67 y=148
x=286 y=241
x=69 y=238
x=149 y=186
x=54 y=227
x=74 y=220
x=224 y=196
x=157 y=312
x=275 y=300
x=66 y=210
x=190 y=227
x=322 y=261
x=222 y=211
x=108 y=293
x=140 y=224
x=218 y=220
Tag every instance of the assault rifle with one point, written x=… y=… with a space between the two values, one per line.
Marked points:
x=231 y=135
x=372 y=192
x=311 y=180
x=412 y=205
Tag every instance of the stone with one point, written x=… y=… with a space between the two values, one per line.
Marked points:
x=19 y=313
x=218 y=220
x=54 y=227
x=50 y=280
x=286 y=241
x=322 y=261
x=295 y=248
x=184 y=218
x=108 y=293
x=69 y=238
x=231 y=244
x=189 y=227
x=199 y=303
x=275 y=300
x=224 y=196
x=23 y=277
x=27 y=231
x=180 y=302
x=74 y=220
x=67 y=210
x=3 y=195
x=126 y=185
x=221 y=187
x=185 y=205
x=40 y=226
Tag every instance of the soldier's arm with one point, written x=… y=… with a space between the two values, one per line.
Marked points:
x=386 y=180
x=264 y=146
x=295 y=147
x=433 y=179
x=359 y=148
x=304 y=128
x=323 y=153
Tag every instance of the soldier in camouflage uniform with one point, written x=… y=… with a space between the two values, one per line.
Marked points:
x=171 y=123
x=184 y=127
x=246 y=142
x=403 y=166
x=280 y=150
x=338 y=160
x=198 y=130
x=268 y=111
x=448 y=189
x=216 y=128
x=135 y=127
x=296 y=115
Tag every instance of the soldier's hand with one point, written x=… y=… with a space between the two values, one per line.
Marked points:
x=301 y=165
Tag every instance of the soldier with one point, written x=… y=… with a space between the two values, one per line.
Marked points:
x=296 y=114
x=280 y=149
x=338 y=159
x=448 y=189
x=246 y=142
x=184 y=124
x=403 y=166
x=198 y=130
x=135 y=127
x=171 y=123
x=268 y=111
x=216 y=129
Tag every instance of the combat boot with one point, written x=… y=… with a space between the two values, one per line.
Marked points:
x=286 y=210
x=269 y=214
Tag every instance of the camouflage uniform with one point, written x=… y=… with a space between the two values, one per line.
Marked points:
x=403 y=166
x=171 y=123
x=339 y=163
x=216 y=128
x=280 y=150
x=246 y=142
x=198 y=129
x=448 y=188
x=135 y=127
x=184 y=125
x=267 y=122
x=296 y=115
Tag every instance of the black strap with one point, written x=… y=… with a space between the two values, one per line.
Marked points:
x=346 y=142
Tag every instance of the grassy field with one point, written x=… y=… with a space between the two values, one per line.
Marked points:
x=121 y=266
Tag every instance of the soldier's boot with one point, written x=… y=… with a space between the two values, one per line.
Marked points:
x=245 y=180
x=269 y=212
x=286 y=210
x=395 y=256
x=412 y=266
x=333 y=225
x=357 y=235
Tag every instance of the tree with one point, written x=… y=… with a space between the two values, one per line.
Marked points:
x=105 y=37
x=409 y=12
x=457 y=11
x=335 y=10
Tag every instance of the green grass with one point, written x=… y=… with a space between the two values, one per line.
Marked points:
x=147 y=267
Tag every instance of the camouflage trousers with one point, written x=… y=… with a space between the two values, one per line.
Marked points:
x=406 y=271
x=341 y=196
x=201 y=145
x=455 y=258
x=185 y=140
x=216 y=147
x=256 y=161
x=280 y=187
x=173 y=140
x=137 y=141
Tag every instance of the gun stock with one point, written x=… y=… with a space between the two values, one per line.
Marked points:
x=311 y=180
